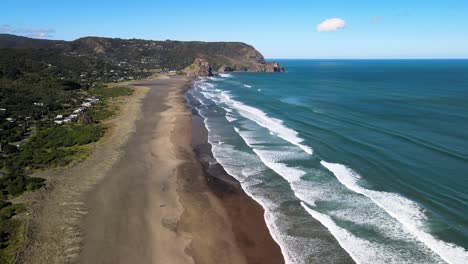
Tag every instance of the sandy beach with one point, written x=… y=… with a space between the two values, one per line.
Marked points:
x=153 y=201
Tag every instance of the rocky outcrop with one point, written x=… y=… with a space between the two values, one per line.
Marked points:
x=199 y=68
x=226 y=68
x=253 y=67
x=273 y=67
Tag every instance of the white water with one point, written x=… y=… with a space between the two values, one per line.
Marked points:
x=361 y=212
x=405 y=211
x=274 y=125
x=236 y=164
x=241 y=165
x=361 y=250
x=225 y=75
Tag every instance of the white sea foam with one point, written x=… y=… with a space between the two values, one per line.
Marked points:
x=274 y=125
x=225 y=75
x=261 y=118
x=362 y=212
x=408 y=213
x=204 y=86
x=247 y=86
x=245 y=166
x=362 y=251
x=272 y=160
x=228 y=110
x=231 y=118
x=215 y=79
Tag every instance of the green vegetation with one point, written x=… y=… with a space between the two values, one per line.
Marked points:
x=93 y=59
x=100 y=112
x=37 y=89
x=11 y=239
x=105 y=109
x=192 y=68
x=49 y=115
x=48 y=145
x=11 y=230
x=53 y=146
x=104 y=93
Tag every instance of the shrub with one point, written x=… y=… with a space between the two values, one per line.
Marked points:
x=108 y=93
x=9 y=149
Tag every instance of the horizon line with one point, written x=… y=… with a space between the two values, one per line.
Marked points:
x=425 y=58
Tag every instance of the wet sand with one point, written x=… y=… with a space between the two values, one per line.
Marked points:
x=156 y=204
x=142 y=196
x=246 y=215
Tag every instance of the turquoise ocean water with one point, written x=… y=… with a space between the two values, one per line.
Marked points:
x=370 y=156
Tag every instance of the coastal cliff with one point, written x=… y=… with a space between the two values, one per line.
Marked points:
x=93 y=59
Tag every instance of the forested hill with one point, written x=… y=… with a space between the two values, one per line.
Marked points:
x=91 y=59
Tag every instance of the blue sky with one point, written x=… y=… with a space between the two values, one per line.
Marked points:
x=278 y=29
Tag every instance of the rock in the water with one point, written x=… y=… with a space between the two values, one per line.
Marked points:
x=226 y=68
x=261 y=66
x=273 y=67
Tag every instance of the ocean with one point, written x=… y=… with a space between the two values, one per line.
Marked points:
x=368 y=157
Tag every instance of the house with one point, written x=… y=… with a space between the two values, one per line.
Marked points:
x=78 y=110
x=73 y=116
x=58 y=122
x=59 y=117
x=92 y=100
x=86 y=104
x=10 y=119
x=67 y=120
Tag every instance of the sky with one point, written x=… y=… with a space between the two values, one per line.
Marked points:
x=313 y=29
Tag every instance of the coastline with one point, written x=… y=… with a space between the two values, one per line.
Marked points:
x=142 y=196
x=247 y=216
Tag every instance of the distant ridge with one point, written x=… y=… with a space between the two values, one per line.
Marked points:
x=148 y=54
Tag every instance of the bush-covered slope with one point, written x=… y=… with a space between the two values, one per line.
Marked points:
x=136 y=55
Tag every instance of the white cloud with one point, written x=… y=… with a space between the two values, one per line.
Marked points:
x=37 y=32
x=5 y=29
x=331 y=24
x=29 y=32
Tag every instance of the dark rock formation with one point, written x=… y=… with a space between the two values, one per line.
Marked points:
x=273 y=67
x=200 y=67
x=254 y=67
x=225 y=68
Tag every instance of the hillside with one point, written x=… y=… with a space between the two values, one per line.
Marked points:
x=41 y=80
x=53 y=100
x=93 y=59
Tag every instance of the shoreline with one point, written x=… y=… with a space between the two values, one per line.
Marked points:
x=247 y=215
x=143 y=196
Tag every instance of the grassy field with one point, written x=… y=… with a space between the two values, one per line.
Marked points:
x=107 y=107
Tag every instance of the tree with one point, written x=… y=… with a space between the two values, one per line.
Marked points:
x=10 y=149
